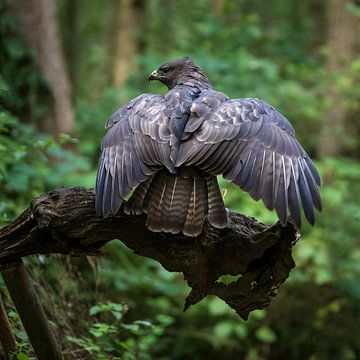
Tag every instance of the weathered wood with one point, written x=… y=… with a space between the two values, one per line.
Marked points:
x=30 y=311
x=64 y=221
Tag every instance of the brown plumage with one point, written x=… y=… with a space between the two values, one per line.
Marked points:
x=172 y=147
x=179 y=202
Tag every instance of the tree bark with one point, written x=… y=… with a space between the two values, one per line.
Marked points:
x=217 y=7
x=71 y=37
x=39 y=26
x=317 y=14
x=130 y=22
x=343 y=35
x=64 y=221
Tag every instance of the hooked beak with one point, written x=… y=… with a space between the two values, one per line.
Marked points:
x=153 y=75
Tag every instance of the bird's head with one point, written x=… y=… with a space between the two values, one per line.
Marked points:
x=178 y=72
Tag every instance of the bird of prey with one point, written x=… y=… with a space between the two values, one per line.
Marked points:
x=171 y=147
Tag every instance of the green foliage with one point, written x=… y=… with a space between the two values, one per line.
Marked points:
x=243 y=55
x=23 y=92
x=31 y=163
x=117 y=339
x=23 y=350
x=329 y=253
x=315 y=321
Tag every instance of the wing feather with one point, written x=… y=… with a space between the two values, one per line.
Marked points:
x=305 y=194
x=294 y=196
x=253 y=145
x=265 y=179
x=136 y=145
x=282 y=195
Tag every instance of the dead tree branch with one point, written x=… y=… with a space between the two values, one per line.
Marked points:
x=64 y=221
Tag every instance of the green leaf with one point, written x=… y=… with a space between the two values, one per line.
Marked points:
x=143 y=324
x=223 y=329
x=133 y=328
x=66 y=139
x=130 y=327
x=100 y=329
x=228 y=279
x=21 y=334
x=218 y=307
x=22 y=356
x=13 y=314
x=258 y=314
x=266 y=335
x=117 y=314
x=94 y=310
x=241 y=330
x=165 y=319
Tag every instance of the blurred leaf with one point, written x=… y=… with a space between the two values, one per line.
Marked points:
x=165 y=319
x=95 y=310
x=218 y=307
x=133 y=328
x=223 y=329
x=22 y=356
x=241 y=330
x=266 y=335
x=101 y=329
x=258 y=314
x=228 y=279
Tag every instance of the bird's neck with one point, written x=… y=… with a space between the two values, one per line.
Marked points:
x=194 y=79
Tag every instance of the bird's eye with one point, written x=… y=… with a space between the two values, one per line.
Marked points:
x=165 y=69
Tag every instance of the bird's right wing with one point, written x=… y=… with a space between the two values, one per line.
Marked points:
x=136 y=145
x=253 y=145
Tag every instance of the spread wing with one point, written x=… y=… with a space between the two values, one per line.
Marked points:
x=253 y=145
x=136 y=145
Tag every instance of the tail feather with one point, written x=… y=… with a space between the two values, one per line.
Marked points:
x=156 y=199
x=174 y=210
x=136 y=205
x=197 y=208
x=216 y=209
x=179 y=202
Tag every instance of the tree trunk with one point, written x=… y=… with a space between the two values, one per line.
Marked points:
x=217 y=7
x=70 y=35
x=317 y=14
x=342 y=38
x=130 y=22
x=39 y=25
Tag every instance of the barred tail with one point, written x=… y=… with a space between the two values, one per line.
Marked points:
x=179 y=202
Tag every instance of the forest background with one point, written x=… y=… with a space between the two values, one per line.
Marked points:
x=67 y=65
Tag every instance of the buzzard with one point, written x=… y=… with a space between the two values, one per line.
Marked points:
x=171 y=147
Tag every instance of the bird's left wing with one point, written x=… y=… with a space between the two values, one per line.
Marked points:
x=253 y=145
x=136 y=145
